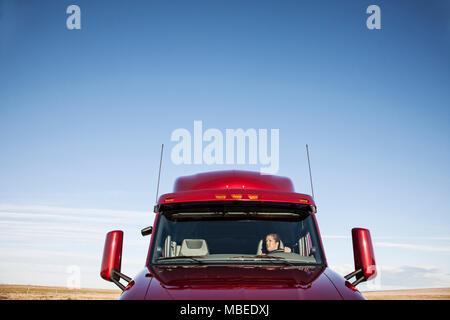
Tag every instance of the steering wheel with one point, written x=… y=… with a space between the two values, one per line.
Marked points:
x=275 y=251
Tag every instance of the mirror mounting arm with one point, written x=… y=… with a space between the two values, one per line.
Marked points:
x=116 y=276
x=359 y=274
x=357 y=281
x=147 y=231
x=354 y=273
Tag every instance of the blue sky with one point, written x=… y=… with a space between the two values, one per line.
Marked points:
x=83 y=114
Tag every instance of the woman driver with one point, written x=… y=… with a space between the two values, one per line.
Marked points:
x=273 y=243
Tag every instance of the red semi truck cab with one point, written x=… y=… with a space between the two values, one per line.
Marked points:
x=237 y=235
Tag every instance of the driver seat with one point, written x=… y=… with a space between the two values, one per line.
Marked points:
x=260 y=246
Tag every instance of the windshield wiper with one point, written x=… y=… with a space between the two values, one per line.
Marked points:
x=179 y=258
x=262 y=258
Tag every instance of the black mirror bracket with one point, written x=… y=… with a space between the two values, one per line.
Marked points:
x=147 y=231
x=116 y=276
x=359 y=274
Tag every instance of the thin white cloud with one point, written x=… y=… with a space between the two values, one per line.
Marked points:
x=74 y=211
x=51 y=255
x=10 y=212
x=411 y=246
x=44 y=226
x=336 y=237
x=67 y=218
x=34 y=232
x=45 y=223
x=44 y=254
x=73 y=238
x=431 y=238
x=414 y=238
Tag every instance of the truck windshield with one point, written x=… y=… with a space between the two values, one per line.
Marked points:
x=269 y=236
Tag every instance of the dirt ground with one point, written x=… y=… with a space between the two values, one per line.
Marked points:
x=416 y=294
x=22 y=292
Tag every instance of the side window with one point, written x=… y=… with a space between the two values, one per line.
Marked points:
x=305 y=245
x=308 y=243
x=164 y=236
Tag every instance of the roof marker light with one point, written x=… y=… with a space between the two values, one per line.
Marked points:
x=236 y=196
x=304 y=200
x=253 y=196
x=220 y=196
x=169 y=200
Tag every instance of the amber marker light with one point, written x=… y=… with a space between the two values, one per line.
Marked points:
x=236 y=196
x=220 y=196
x=304 y=200
x=253 y=196
x=169 y=200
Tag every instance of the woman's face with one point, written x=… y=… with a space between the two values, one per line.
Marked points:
x=271 y=244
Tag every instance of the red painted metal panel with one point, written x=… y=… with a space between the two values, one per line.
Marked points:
x=240 y=283
x=233 y=179
x=236 y=194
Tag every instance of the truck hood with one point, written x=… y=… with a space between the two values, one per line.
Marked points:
x=240 y=283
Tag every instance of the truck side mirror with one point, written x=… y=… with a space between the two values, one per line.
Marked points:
x=365 y=267
x=112 y=258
